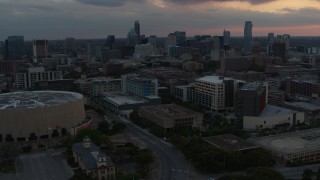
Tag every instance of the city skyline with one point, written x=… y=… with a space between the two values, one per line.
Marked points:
x=58 y=19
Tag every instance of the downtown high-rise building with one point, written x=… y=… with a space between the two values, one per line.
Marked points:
x=226 y=37
x=110 y=41
x=180 y=37
x=247 y=46
x=270 y=42
x=14 y=48
x=132 y=37
x=137 y=30
x=40 y=50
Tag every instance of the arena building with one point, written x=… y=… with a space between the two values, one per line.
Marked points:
x=290 y=148
x=31 y=115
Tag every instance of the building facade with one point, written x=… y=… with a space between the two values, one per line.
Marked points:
x=250 y=99
x=247 y=46
x=169 y=117
x=40 y=50
x=14 y=48
x=139 y=86
x=25 y=80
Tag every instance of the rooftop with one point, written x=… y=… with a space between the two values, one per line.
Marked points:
x=213 y=79
x=169 y=111
x=229 y=142
x=89 y=155
x=36 y=99
x=293 y=142
x=304 y=105
x=271 y=110
x=122 y=99
x=252 y=86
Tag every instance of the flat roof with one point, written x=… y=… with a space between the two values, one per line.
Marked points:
x=271 y=110
x=213 y=79
x=304 y=105
x=122 y=99
x=251 y=86
x=230 y=142
x=294 y=142
x=35 y=99
x=169 y=110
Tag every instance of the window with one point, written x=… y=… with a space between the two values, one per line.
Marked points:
x=103 y=171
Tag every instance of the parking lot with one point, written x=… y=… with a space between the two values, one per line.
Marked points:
x=46 y=165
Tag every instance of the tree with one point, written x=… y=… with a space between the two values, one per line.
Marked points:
x=318 y=174
x=263 y=173
x=96 y=136
x=8 y=152
x=118 y=127
x=258 y=157
x=104 y=127
x=307 y=174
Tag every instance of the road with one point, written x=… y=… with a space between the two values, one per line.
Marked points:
x=296 y=172
x=46 y=165
x=173 y=165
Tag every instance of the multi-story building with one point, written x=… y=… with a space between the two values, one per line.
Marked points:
x=40 y=50
x=137 y=30
x=247 y=46
x=250 y=99
x=107 y=54
x=168 y=117
x=213 y=92
x=14 y=48
x=99 y=86
x=25 y=80
x=11 y=67
x=226 y=37
x=308 y=88
x=215 y=51
x=180 y=37
x=139 y=86
x=236 y=63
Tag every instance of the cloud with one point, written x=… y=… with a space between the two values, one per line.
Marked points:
x=254 y=2
x=107 y=3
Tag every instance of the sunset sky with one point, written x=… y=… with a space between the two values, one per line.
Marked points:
x=57 y=19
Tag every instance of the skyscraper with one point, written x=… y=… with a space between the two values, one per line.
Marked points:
x=40 y=50
x=110 y=41
x=180 y=37
x=132 y=37
x=270 y=43
x=247 y=46
x=226 y=37
x=14 y=48
x=137 y=30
